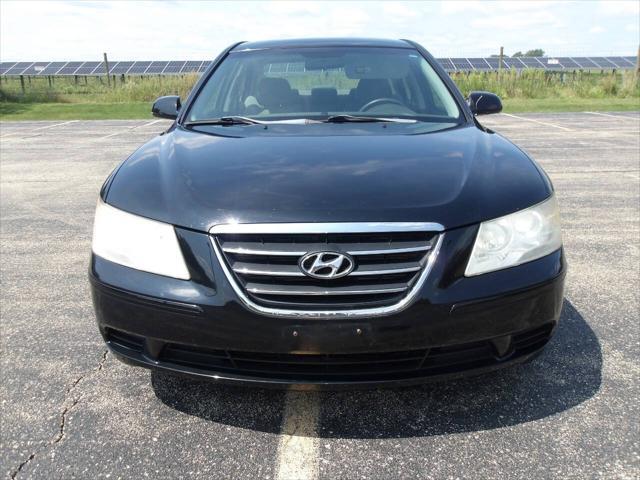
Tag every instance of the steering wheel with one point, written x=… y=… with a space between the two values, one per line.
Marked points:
x=379 y=101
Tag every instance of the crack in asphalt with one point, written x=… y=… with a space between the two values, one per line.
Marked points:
x=19 y=469
x=59 y=436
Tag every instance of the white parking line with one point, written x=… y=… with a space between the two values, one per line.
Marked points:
x=55 y=125
x=39 y=128
x=614 y=116
x=129 y=129
x=151 y=123
x=538 y=122
x=298 y=446
x=116 y=133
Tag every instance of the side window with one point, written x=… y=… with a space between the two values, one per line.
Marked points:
x=234 y=100
x=213 y=98
x=439 y=106
x=403 y=87
x=441 y=99
x=417 y=97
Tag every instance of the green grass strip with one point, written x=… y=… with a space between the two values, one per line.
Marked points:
x=141 y=110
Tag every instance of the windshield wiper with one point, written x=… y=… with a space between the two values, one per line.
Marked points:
x=363 y=119
x=238 y=120
x=234 y=120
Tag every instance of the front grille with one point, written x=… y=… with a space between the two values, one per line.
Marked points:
x=358 y=366
x=265 y=267
x=125 y=341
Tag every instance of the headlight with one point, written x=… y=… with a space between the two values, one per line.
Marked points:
x=516 y=238
x=137 y=242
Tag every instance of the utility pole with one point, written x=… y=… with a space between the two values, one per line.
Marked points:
x=500 y=59
x=638 y=63
x=106 y=68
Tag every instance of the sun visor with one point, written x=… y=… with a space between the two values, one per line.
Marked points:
x=380 y=66
x=361 y=66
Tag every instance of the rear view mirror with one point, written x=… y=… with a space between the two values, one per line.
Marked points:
x=484 y=103
x=166 y=107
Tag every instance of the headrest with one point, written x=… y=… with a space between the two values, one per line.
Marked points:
x=273 y=92
x=372 y=88
x=327 y=93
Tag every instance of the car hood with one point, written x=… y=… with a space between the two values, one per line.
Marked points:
x=453 y=177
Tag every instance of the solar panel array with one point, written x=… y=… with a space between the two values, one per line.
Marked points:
x=183 y=66
x=97 y=68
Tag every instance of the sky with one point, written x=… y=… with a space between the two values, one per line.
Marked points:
x=198 y=30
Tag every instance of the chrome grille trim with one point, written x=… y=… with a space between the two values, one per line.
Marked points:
x=286 y=273
x=273 y=253
x=244 y=292
x=391 y=271
x=390 y=251
x=265 y=291
x=278 y=253
x=334 y=227
x=274 y=273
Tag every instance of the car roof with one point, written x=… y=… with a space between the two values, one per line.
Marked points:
x=322 y=42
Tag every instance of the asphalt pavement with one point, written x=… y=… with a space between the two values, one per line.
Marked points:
x=70 y=410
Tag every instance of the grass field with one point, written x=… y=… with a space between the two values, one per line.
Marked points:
x=74 y=111
x=136 y=110
x=92 y=98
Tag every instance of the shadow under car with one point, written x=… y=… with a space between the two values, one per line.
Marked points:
x=567 y=373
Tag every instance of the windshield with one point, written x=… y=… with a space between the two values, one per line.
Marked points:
x=317 y=83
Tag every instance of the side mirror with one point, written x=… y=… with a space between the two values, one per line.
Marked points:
x=484 y=103
x=166 y=107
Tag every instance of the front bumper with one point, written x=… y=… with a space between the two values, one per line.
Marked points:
x=456 y=326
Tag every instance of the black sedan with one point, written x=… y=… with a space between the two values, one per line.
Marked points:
x=329 y=213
